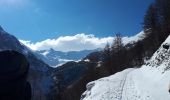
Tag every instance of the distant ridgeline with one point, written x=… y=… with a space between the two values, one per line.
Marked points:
x=57 y=58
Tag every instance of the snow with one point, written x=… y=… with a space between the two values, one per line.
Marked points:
x=160 y=60
x=87 y=60
x=130 y=84
x=64 y=60
x=150 y=82
x=108 y=88
x=99 y=63
x=45 y=53
x=134 y=38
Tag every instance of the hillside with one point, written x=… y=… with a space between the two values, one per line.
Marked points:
x=39 y=73
x=150 y=82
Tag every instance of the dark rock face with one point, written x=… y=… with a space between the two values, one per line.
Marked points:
x=166 y=46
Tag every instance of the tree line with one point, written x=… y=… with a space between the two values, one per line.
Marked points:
x=156 y=26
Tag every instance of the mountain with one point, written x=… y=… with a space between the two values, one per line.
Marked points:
x=39 y=73
x=150 y=82
x=57 y=58
x=73 y=76
x=66 y=81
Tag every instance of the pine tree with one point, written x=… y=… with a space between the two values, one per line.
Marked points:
x=150 y=19
x=117 y=43
x=107 y=58
x=107 y=49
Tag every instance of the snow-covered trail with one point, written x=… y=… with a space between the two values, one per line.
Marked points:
x=119 y=90
x=111 y=88
x=132 y=90
x=129 y=89
x=123 y=84
x=130 y=84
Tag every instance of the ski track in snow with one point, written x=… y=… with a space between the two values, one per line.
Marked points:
x=114 y=90
x=118 y=92
x=131 y=89
x=124 y=87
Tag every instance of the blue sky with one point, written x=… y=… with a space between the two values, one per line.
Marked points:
x=37 y=20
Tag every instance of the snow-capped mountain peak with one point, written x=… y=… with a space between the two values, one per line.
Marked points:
x=57 y=58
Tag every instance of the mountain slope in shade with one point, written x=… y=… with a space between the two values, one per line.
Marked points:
x=150 y=82
x=39 y=73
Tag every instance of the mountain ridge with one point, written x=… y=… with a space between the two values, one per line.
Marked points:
x=58 y=58
x=39 y=71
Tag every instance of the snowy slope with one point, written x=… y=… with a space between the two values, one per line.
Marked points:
x=150 y=82
x=132 y=39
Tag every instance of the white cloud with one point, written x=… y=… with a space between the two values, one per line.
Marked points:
x=70 y=43
x=78 y=42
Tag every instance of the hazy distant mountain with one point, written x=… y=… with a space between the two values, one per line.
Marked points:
x=56 y=58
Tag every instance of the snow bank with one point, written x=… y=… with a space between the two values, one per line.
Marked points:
x=160 y=59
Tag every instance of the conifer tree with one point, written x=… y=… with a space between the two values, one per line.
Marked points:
x=117 y=43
